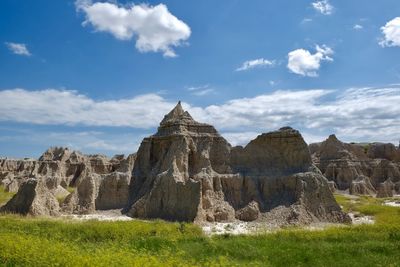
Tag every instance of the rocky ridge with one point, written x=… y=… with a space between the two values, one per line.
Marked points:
x=367 y=169
x=186 y=171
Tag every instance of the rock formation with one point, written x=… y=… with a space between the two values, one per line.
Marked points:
x=188 y=172
x=99 y=182
x=385 y=189
x=362 y=186
x=185 y=172
x=349 y=165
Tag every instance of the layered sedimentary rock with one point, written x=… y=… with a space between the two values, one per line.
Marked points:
x=99 y=182
x=347 y=165
x=385 y=189
x=362 y=186
x=188 y=172
x=185 y=172
x=35 y=197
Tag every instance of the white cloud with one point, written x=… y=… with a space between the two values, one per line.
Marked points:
x=18 y=49
x=154 y=27
x=391 y=33
x=201 y=90
x=256 y=63
x=306 y=20
x=68 y=107
x=302 y=62
x=355 y=114
x=323 y=7
x=358 y=27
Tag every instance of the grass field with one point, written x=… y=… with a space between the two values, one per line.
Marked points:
x=4 y=196
x=56 y=242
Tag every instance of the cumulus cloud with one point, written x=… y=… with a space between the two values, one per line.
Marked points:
x=323 y=7
x=355 y=114
x=302 y=62
x=154 y=27
x=69 y=107
x=256 y=63
x=18 y=49
x=391 y=33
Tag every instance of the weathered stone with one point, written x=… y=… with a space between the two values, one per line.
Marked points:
x=385 y=189
x=362 y=186
x=249 y=213
x=34 y=197
x=113 y=191
x=187 y=171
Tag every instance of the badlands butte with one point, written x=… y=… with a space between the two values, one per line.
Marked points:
x=188 y=172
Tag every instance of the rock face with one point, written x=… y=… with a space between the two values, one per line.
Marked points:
x=185 y=172
x=99 y=182
x=362 y=186
x=385 y=189
x=348 y=165
x=35 y=197
x=188 y=172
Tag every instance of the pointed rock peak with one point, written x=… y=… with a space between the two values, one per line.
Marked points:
x=332 y=136
x=177 y=114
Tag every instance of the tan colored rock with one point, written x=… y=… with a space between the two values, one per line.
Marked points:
x=35 y=197
x=113 y=191
x=362 y=186
x=385 y=189
x=383 y=151
x=332 y=186
x=249 y=213
x=188 y=172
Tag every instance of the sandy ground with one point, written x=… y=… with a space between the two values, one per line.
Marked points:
x=394 y=203
x=106 y=216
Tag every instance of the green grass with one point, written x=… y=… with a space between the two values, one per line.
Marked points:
x=5 y=196
x=55 y=242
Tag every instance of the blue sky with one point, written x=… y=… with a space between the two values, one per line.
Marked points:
x=98 y=76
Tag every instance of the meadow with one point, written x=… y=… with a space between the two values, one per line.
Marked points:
x=26 y=241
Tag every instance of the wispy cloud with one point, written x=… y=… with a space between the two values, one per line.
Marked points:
x=201 y=90
x=323 y=7
x=358 y=27
x=302 y=62
x=256 y=63
x=355 y=114
x=18 y=49
x=154 y=27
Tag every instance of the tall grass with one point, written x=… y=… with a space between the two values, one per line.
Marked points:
x=4 y=196
x=55 y=242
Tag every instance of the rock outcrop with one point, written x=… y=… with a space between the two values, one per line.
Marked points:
x=188 y=172
x=35 y=197
x=99 y=182
x=385 y=189
x=348 y=165
x=362 y=186
x=185 y=172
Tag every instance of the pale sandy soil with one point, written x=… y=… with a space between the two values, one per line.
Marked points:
x=106 y=216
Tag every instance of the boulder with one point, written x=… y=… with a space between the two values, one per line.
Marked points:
x=36 y=196
x=249 y=213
